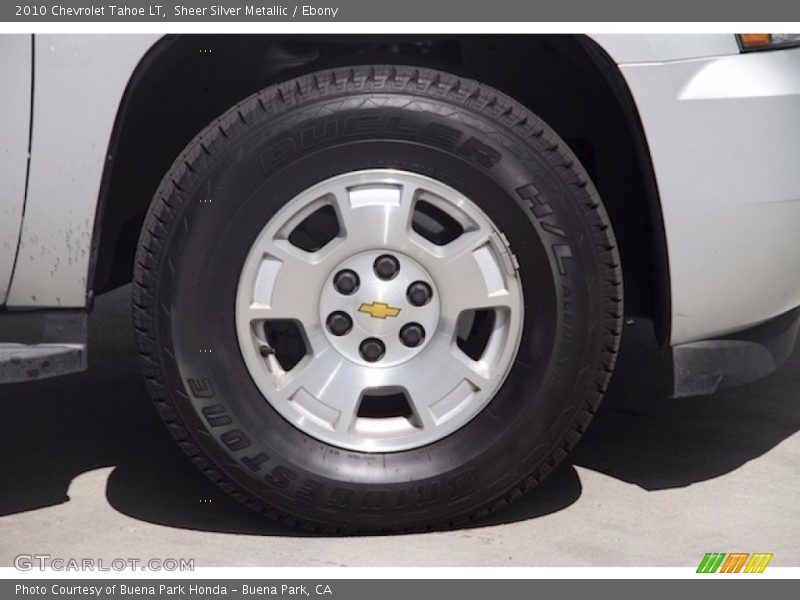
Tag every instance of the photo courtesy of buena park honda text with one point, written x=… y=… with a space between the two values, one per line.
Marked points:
x=360 y=298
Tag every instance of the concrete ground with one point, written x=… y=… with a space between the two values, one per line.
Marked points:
x=87 y=470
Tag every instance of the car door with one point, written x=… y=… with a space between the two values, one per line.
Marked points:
x=16 y=54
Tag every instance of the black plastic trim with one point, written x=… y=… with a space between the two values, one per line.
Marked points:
x=142 y=66
x=701 y=368
x=44 y=327
x=662 y=294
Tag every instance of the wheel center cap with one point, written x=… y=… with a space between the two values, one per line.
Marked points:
x=380 y=311
x=384 y=314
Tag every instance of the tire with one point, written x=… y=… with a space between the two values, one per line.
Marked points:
x=233 y=179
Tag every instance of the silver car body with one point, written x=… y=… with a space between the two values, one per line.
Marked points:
x=721 y=126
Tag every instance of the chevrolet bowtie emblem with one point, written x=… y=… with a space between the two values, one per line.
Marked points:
x=379 y=310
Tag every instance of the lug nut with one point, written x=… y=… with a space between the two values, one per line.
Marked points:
x=346 y=282
x=419 y=293
x=412 y=334
x=339 y=323
x=386 y=266
x=372 y=349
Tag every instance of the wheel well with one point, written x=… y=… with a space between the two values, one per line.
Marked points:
x=186 y=81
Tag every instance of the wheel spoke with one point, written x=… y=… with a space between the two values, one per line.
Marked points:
x=285 y=284
x=325 y=387
x=443 y=381
x=375 y=216
x=471 y=276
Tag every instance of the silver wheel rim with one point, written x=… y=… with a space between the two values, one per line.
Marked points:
x=435 y=386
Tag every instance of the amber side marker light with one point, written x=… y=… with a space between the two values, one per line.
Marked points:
x=755 y=40
x=749 y=42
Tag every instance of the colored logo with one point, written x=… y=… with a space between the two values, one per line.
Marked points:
x=734 y=562
x=379 y=310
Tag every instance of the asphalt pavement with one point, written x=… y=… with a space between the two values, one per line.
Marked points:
x=87 y=470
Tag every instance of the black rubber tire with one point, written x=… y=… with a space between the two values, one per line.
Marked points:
x=245 y=165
